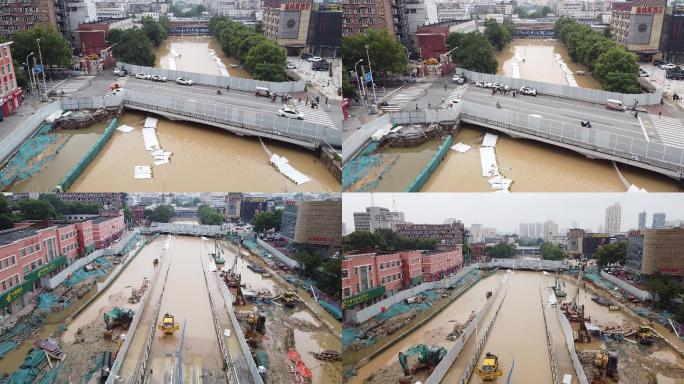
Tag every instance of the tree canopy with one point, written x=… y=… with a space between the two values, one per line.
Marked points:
x=54 y=48
x=387 y=55
x=154 y=30
x=497 y=34
x=610 y=62
x=550 y=251
x=473 y=52
x=611 y=254
x=6 y=216
x=35 y=209
x=262 y=57
x=160 y=213
x=501 y=250
x=133 y=46
x=383 y=240
x=265 y=221
x=209 y=216
x=665 y=287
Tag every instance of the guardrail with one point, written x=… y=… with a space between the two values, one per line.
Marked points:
x=549 y=344
x=443 y=367
x=277 y=254
x=246 y=351
x=565 y=91
x=185 y=229
x=240 y=120
x=218 y=81
x=536 y=265
x=93 y=102
x=231 y=377
x=371 y=311
x=570 y=343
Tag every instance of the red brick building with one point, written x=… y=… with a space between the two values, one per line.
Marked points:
x=437 y=265
x=10 y=93
x=432 y=41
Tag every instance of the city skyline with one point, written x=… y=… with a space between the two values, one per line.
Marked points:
x=587 y=210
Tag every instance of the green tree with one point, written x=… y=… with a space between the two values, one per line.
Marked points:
x=269 y=72
x=348 y=89
x=154 y=31
x=54 y=48
x=128 y=215
x=134 y=47
x=309 y=260
x=362 y=241
x=665 y=287
x=550 y=251
x=497 y=34
x=160 y=213
x=209 y=215
x=265 y=221
x=611 y=254
x=387 y=55
x=474 y=52
x=328 y=280
x=35 y=209
x=6 y=215
x=501 y=250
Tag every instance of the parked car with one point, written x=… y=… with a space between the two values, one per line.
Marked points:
x=458 y=79
x=615 y=105
x=161 y=79
x=116 y=71
x=290 y=65
x=314 y=59
x=290 y=113
x=480 y=84
x=320 y=66
x=142 y=76
x=501 y=87
x=642 y=73
x=668 y=66
x=528 y=91
x=262 y=91
x=184 y=81
x=306 y=56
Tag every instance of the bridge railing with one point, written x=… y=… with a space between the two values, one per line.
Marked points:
x=219 y=81
x=94 y=102
x=226 y=114
x=566 y=91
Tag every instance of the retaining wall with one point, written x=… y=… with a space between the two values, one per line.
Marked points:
x=354 y=143
x=566 y=91
x=625 y=286
x=426 y=172
x=570 y=343
x=218 y=81
x=277 y=254
x=371 y=311
x=76 y=171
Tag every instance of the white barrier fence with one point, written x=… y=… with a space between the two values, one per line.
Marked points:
x=443 y=367
x=56 y=280
x=565 y=91
x=26 y=129
x=219 y=81
x=625 y=286
x=371 y=311
x=94 y=102
x=277 y=254
x=358 y=139
x=570 y=343
x=185 y=229
x=549 y=343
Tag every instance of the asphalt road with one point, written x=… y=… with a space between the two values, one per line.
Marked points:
x=245 y=100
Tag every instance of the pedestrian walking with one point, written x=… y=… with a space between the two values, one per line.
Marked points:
x=428 y=105
x=416 y=106
x=660 y=113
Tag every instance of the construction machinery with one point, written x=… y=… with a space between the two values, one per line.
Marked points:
x=607 y=363
x=168 y=324
x=231 y=277
x=289 y=299
x=428 y=357
x=489 y=370
x=557 y=289
x=118 y=317
x=644 y=334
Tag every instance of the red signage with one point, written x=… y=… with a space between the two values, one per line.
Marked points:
x=321 y=239
x=297 y=6
x=671 y=270
x=649 y=10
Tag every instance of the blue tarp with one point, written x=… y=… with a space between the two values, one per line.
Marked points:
x=102 y=266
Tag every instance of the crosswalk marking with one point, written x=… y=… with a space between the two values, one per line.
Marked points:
x=396 y=102
x=670 y=130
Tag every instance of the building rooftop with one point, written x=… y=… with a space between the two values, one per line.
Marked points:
x=11 y=235
x=102 y=219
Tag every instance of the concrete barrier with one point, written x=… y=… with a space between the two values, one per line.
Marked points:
x=277 y=254
x=625 y=286
x=528 y=264
x=373 y=310
x=431 y=166
x=54 y=281
x=357 y=141
x=26 y=129
x=570 y=343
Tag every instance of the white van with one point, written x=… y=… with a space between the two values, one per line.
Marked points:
x=615 y=104
x=262 y=91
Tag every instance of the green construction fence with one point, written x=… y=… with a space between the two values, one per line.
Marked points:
x=76 y=171
x=426 y=172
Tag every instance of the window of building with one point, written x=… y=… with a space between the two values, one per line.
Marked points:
x=345 y=273
x=346 y=292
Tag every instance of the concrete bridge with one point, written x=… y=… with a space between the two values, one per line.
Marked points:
x=188 y=26
x=184 y=229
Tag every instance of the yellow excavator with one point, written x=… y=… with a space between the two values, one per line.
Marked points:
x=489 y=370
x=644 y=334
x=168 y=325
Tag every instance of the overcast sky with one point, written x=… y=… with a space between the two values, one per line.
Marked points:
x=505 y=211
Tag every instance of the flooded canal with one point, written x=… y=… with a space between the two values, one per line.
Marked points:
x=540 y=63
x=204 y=158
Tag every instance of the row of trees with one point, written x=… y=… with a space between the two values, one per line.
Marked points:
x=47 y=206
x=262 y=57
x=160 y=213
x=476 y=51
x=383 y=240
x=136 y=46
x=265 y=221
x=610 y=62
x=209 y=215
x=325 y=271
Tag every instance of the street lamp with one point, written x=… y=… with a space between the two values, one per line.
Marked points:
x=359 y=79
x=375 y=99
x=28 y=65
x=40 y=54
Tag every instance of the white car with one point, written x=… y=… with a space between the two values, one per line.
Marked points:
x=314 y=59
x=458 y=79
x=184 y=81
x=488 y=84
x=142 y=76
x=290 y=113
x=668 y=66
x=528 y=91
x=161 y=79
x=290 y=65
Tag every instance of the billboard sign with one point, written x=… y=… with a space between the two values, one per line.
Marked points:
x=640 y=29
x=288 y=27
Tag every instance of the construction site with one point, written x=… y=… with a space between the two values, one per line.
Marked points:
x=515 y=326
x=176 y=309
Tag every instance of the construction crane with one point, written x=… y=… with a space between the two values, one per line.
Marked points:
x=428 y=357
x=489 y=370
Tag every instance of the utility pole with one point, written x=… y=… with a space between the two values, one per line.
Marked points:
x=359 y=79
x=375 y=99
x=40 y=54
x=28 y=66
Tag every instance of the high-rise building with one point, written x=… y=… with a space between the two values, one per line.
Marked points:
x=377 y=218
x=663 y=251
x=613 y=218
x=233 y=206
x=637 y=26
x=642 y=220
x=550 y=230
x=24 y=15
x=522 y=230
x=318 y=223
x=286 y=22
x=250 y=206
x=658 y=220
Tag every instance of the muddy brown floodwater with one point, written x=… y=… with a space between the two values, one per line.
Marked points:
x=533 y=166
x=204 y=158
